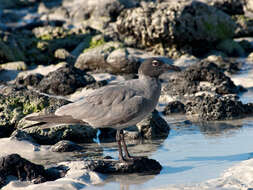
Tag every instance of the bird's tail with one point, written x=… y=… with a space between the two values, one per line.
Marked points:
x=54 y=119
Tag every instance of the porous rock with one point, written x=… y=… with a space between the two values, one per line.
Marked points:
x=217 y=107
x=64 y=81
x=153 y=126
x=174 y=107
x=30 y=80
x=141 y=165
x=65 y=146
x=184 y=24
x=22 y=169
x=52 y=133
x=205 y=76
x=231 y=7
x=15 y=103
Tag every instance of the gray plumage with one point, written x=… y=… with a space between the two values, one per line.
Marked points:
x=117 y=106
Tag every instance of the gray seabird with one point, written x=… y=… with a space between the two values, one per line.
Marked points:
x=116 y=106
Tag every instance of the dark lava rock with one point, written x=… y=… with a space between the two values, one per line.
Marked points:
x=139 y=165
x=174 y=107
x=31 y=80
x=217 y=107
x=64 y=81
x=231 y=7
x=22 y=169
x=178 y=23
x=153 y=126
x=65 y=146
x=193 y=79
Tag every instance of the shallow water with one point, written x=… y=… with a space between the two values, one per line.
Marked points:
x=192 y=153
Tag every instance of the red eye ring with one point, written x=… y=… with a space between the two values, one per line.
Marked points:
x=155 y=63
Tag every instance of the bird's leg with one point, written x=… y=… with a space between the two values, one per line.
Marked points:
x=127 y=155
x=118 y=139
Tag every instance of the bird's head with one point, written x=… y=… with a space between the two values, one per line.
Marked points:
x=154 y=67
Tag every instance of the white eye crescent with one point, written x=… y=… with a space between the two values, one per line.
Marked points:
x=155 y=63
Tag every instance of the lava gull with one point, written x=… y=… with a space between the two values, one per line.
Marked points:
x=116 y=106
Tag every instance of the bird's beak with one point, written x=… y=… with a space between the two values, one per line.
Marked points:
x=169 y=67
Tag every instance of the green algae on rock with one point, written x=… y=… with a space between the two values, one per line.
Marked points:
x=17 y=103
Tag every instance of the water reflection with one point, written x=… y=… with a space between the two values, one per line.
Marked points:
x=218 y=128
x=126 y=180
x=135 y=147
x=207 y=128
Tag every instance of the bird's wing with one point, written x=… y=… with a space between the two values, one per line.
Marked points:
x=112 y=105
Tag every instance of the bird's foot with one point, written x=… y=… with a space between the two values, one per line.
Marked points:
x=132 y=158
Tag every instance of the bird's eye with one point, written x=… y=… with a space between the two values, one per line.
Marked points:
x=155 y=63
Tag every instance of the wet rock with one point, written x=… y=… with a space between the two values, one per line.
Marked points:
x=114 y=58
x=153 y=126
x=207 y=107
x=22 y=135
x=65 y=146
x=206 y=76
x=56 y=172
x=15 y=103
x=64 y=81
x=51 y=133
x=21 y=169
x=141 y=165
x=186 y=25
x=174 y=107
